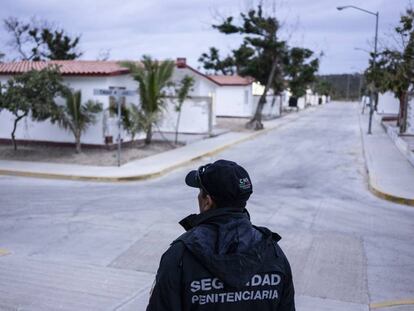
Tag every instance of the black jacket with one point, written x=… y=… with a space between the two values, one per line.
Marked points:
x=223 y=262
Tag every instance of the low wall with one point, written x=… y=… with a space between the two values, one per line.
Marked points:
x=272 y=107
x=388 y=104
x=410 y=116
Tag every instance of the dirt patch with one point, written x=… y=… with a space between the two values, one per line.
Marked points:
x=233 y=124
x=88 y=156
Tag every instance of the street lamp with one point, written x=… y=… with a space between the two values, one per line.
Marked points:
x=374 y=65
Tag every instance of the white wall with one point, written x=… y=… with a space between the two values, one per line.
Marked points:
x=95 y=134
x=285 y=98
x=234 y=101
x=202 y=86
x=301 y=102
x=194 y=116
x=272 y=107
x=387 y=103
x=410 y=117
x=313 y=100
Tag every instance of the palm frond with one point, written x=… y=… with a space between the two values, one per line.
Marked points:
x=76 y=116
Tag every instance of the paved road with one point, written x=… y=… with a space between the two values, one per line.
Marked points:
x=96 y=246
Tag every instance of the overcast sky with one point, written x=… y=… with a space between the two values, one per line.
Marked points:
x=182 y=28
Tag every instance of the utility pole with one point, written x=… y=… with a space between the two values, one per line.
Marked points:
x=347 y=87
x=118 y=93
x=374 y=65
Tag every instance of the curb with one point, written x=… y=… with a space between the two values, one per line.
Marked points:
x=373 y=189
x=387 y=196
x=389 y=304
x=148 y=175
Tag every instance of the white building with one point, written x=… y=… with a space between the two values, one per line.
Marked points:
x=197 y=115
x=233 y=96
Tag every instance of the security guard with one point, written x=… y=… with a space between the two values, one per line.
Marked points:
x=223 y=262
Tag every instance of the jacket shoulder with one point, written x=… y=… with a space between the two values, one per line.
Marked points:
x=173 y=255
x=190 y=235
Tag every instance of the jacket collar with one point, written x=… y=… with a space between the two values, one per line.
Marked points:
x=194 y=220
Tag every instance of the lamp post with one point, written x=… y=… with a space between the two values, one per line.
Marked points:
x=374 y=65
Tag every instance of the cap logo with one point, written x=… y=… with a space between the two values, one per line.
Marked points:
x=244 y=183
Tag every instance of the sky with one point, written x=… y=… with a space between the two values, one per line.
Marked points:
x=167 y=29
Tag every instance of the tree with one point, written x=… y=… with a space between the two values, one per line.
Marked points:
x=58 y=45
x=323 y=86
x=39 y=40
x=1 y=56
x=32 y=93
x=182 y=91
x=75 y=116
x=212 y=62
x=259 y=56
x=300 y=70
x=395 y=67
x=132 y=118
x=153 y=77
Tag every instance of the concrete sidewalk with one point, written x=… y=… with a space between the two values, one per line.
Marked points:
x=391 y=176
x=143 y=168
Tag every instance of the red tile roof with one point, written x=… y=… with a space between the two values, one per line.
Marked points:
x=104 y=68
x=232 y=80
x=67 y=67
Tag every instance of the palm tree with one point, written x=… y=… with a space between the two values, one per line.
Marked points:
x=153 y=78
x=182 y=91
x=77 y=117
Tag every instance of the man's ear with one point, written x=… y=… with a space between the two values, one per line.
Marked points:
x=209 y=202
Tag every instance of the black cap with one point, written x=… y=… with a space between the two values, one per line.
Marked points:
x=226 y=181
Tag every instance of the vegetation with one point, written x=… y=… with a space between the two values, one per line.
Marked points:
x=153 y=77
x=300 y=70
x=395 y=67
x=259 y=56
x=263 y=56
x=182 y=91
x=322 y=86
x=75 y=116
x=134 y=118
x=32 y=94
x=38 y=40
x=341 y=86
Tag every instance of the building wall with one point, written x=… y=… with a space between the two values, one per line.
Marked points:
x=234 y=101
x=202 y=86
x=196 y=116
x=410 y=116
x=387 y=103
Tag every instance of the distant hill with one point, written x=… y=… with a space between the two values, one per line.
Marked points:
x=345 y=86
